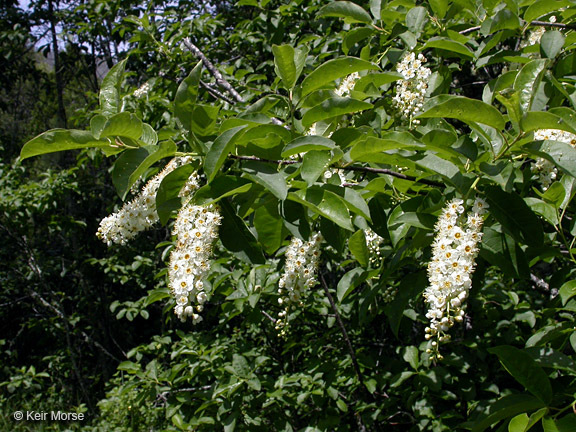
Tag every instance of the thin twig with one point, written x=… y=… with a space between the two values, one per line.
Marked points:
x=220 y=80
x=531 y=23
x=347 y=168
x=216 y=93
x=267 y=315
x=342 y=329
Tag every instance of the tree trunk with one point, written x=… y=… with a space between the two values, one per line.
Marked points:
x=57 y=68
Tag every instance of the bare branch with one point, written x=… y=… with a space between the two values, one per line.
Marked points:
x=347 y=168
x=216 y=93
x=220 y=80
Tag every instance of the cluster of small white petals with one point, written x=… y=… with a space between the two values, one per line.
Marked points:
x=454 y=253
x=373 y=241
x=347 y=84
x=140 y=213
x=536 y=35
x=328 y=174
x=411 y=89
x=196 y=229
x=142 y=91
x=299 y=274
x=545 y=169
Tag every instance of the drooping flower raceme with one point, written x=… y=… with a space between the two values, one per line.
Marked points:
x=299 y=274
x=544 y=168
x=373 y=242
x=411 y=89
x=140 y=213
x=196 y=229
x=454 y=253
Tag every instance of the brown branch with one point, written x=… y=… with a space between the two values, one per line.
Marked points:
x=220 y=80
x=216 y=93
x=347 y=168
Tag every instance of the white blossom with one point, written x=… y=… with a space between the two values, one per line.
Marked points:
x=142 y=91
x=411 y=89
x=196 y=229
x=299 y=274
x=140 y=213
x=535 y=35
x=544 y=168
x=454 y=252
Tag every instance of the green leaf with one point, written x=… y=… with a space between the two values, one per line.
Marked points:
x=547 y=211
x=358 y=247
x=325 y=203
x=149 y=135
x=237 y=238
x=267 y=176
x=332 y=70
x=565 y=424
x=240 y=366
x=156 y=295
x=416 y=18
x=221 y=187
x=528 y=80
x=449 y=45
x=268 y=225
x=463 y=109
x=542 y=7
x=203 y=119
x=124 y=125
x=525 y=370
x=132 y=164
x=288 y=63
x=505 y=19
x=439 y=7
x=551 y=43
x=186 y=97
x=550 y=358
x=332 y=107
x=507 y=407
x=567 y=291
x=410 y=288
x=314 y=163
x=349 y=282
x=345 y=9
x=376 y=79
x=518 y=423
x=307 y=143
x=167 y=197
x=534 y=120
x=56 y=140
x=110 y=101
x=217 y=154
x=515 y=216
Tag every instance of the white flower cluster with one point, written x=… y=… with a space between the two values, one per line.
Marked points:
x=140 y=213
x=142 y=91
x=300 y=273
x=196 y=229
x=347 y=84
x=449 y=273
x=536 y=35
x=547 y=170
x=373 y=242
x=330 y=172
x=411 y=90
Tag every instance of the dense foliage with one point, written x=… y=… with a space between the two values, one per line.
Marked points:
x=361 y=212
